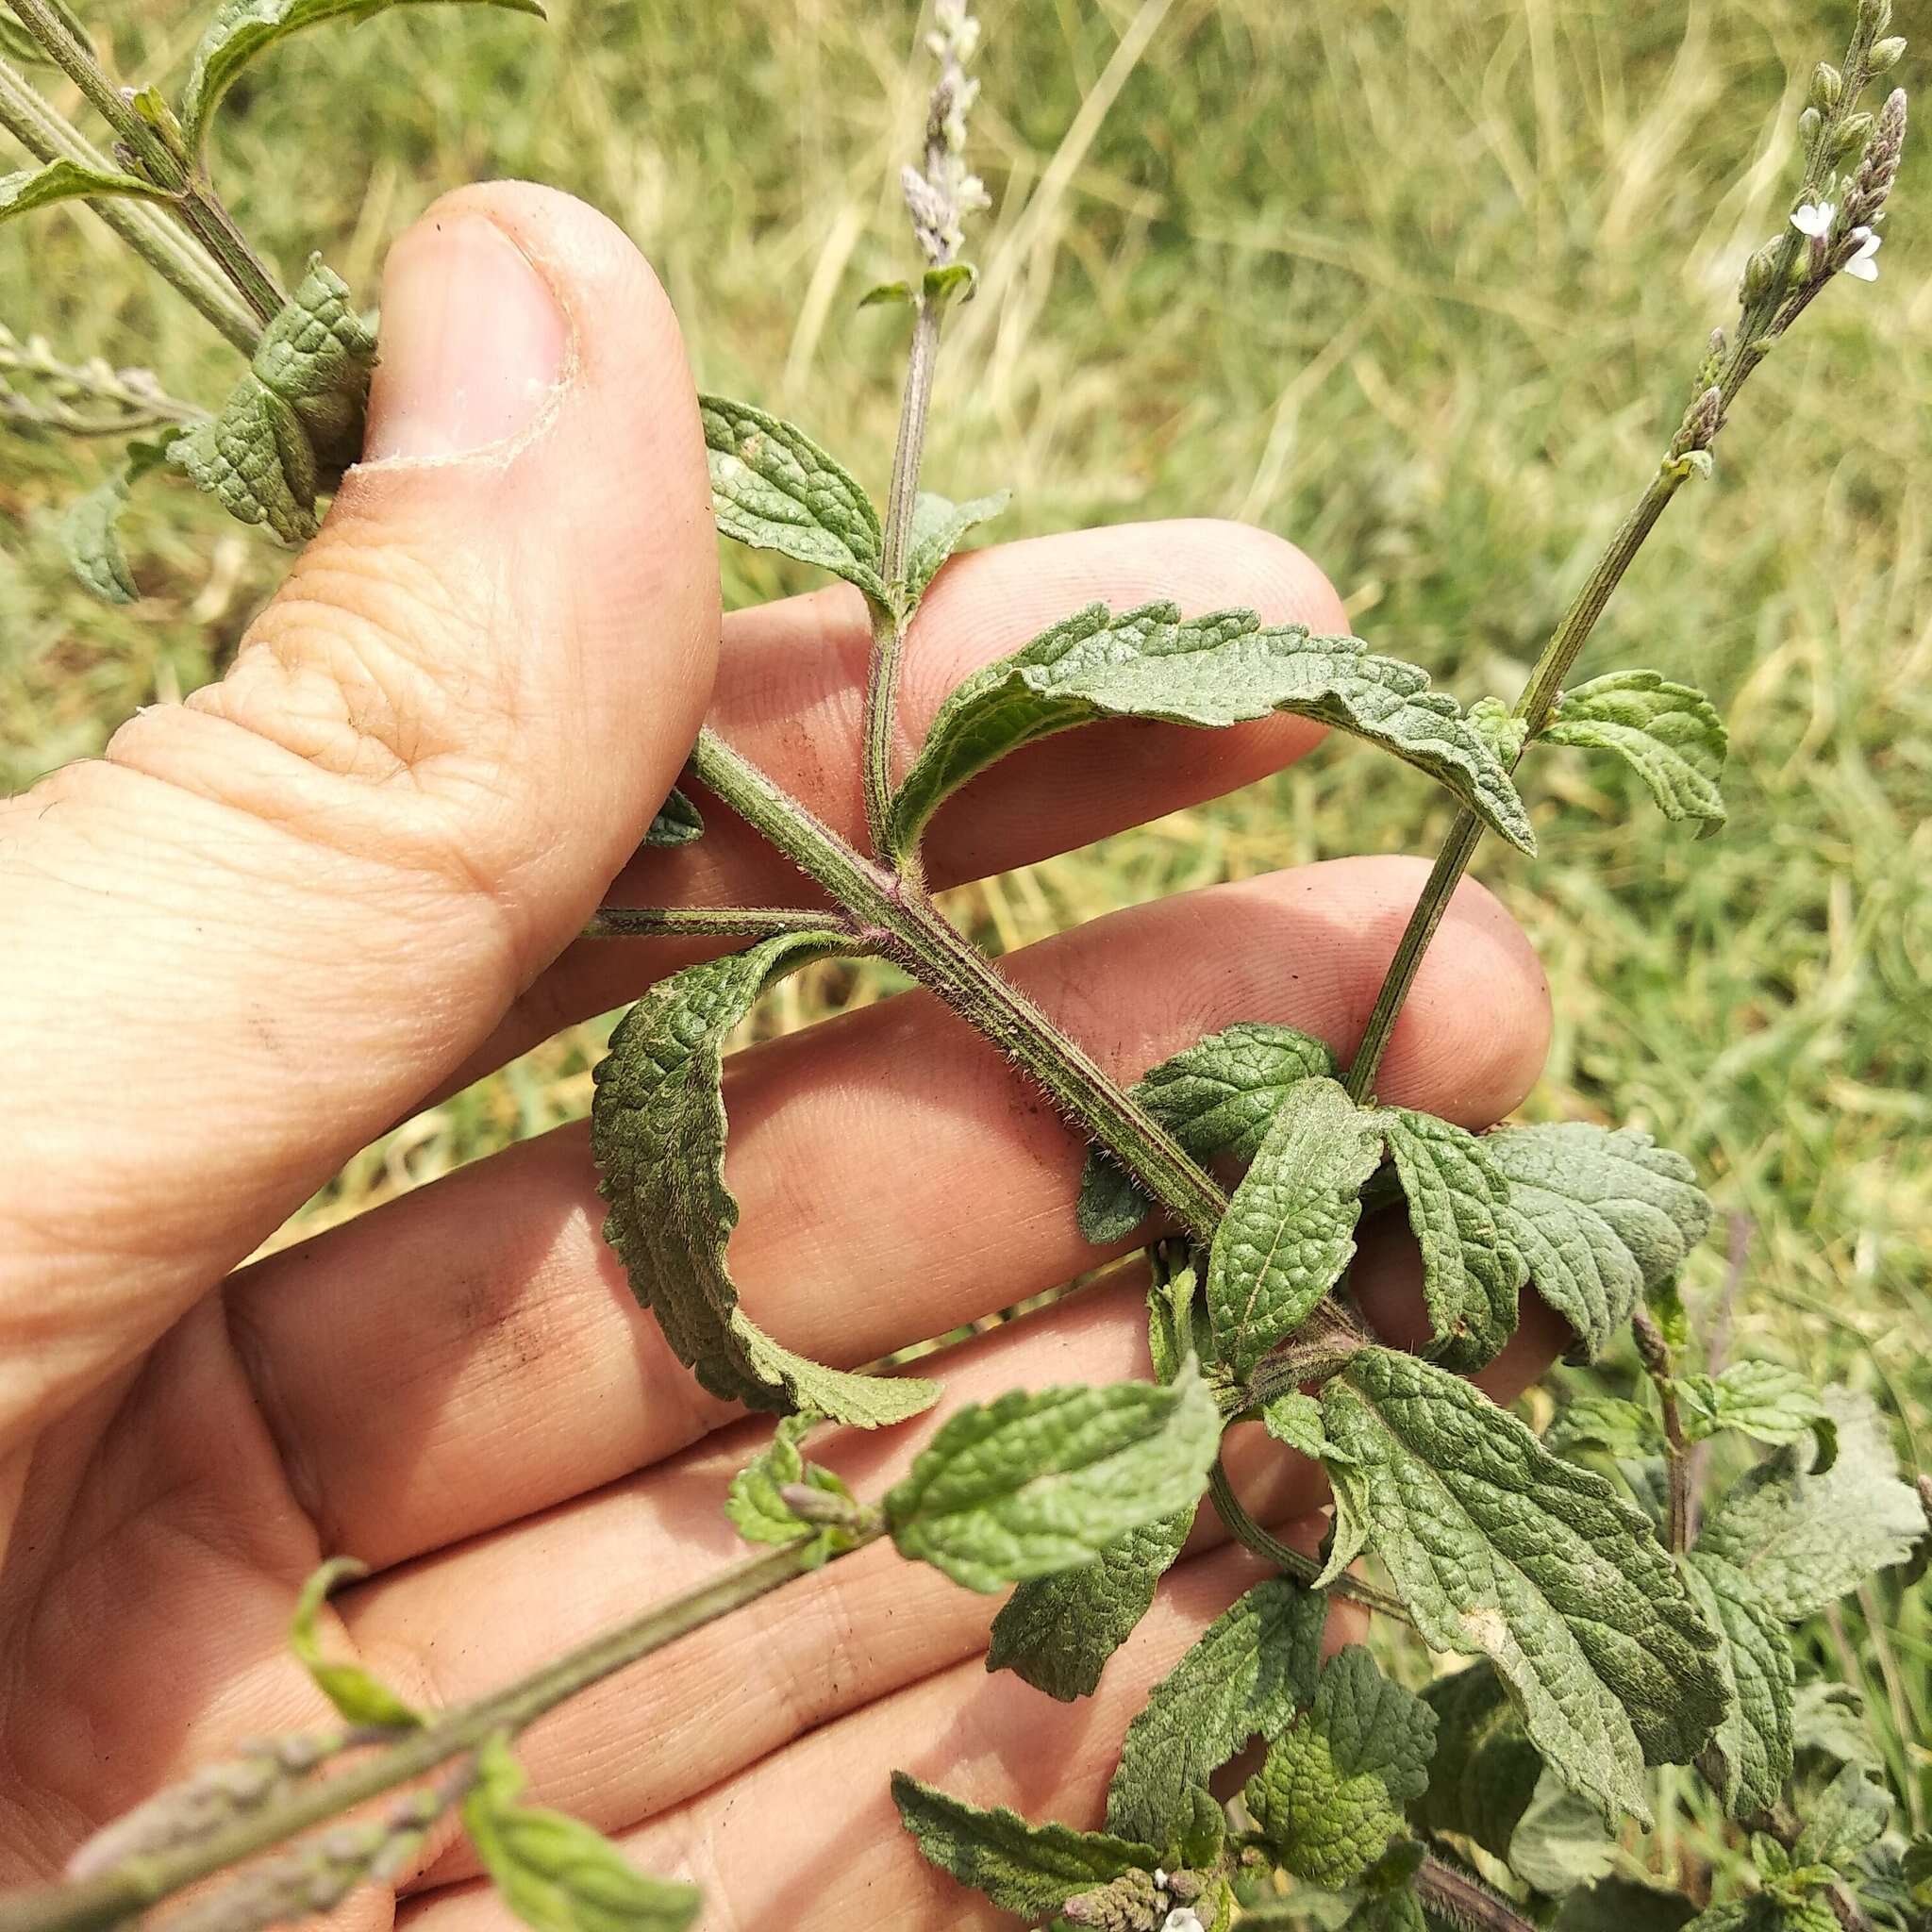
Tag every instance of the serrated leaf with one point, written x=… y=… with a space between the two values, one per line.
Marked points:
x=1806 y=1538
x=294 y=419
x=556 y=1872
x=1605 y=1422
x=1750 y=1755
x=1210 y=671
x=1243 y=1678
x=64 y=181
x=1502 y=729
x=1765 y=1912
x=359 y=1698
x=1058 y=1632
x=1829 y=1718
x=774 y=488
x=1763 y=1400
x=657 y=1130
x=241 y=29
x=1485 y=1771
x=1598 y=1216
x=1329 y=1797
x=1668 y=734
x=1837 y=1822
x=1036 y=1483
x=939 y=526
x=756 y=1505
x=90 y=530
x=1029 y=1869
x=1289 y=1231
x=676 y=822
x=1471 y=1273
x=1498 y=1547
x=1216 y=1096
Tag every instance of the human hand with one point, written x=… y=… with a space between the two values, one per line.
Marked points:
x=273 y=920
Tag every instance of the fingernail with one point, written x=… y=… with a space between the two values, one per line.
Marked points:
x=472 y=341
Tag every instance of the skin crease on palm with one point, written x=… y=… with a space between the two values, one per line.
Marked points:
x=273 y=920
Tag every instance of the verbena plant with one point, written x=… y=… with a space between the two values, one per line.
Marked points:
x=1621 y=1620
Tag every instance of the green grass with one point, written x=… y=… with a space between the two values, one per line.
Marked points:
x=1420 y=287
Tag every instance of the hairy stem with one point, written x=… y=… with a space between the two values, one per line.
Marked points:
x=902 y=923
x=1464 y=1902
x=708 y=921
x=131 y=1887
x=1655 y=1354
x=48 y=136
x=889 y=624
x=196 y=206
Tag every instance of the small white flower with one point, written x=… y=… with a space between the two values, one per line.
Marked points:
x=1861 y=265
x=1160 y=1879
x=1184 y=1919
x=1814 y=221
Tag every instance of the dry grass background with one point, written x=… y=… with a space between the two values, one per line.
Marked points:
x=1419 y=285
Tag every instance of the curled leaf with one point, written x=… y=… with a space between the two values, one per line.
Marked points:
x=938 y=528
x=91 y=532
x=65 y=180
x=1209 y=671
x=358 y=1696
x=676 y=822
x=658 y=1129
x=774 y=488
x=1668 y=734
x=295 y=420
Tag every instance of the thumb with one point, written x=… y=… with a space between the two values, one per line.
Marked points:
x=269 y=919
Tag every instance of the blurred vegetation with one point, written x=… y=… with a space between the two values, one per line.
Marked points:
x=1419 y=285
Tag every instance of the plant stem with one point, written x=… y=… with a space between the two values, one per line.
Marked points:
x=139 y=1883
x=892 y=914
x=1655 y=1354
x=708 y=921
x=159 y=242
x=890 y=621
x=1465 y=1902
x=197 y=207
x=1254 y=1536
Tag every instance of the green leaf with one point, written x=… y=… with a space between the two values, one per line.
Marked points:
x=20 y=47
x=244 y=28
x=1605 y=1422
x=295 y=420
x=90 y=530
x=1502 y=729
x=1036 y=1483
x=1209 y=671
x=554 y=1871
x=65 y=180
x=1329 y=1797
x=1668 y=734
x=775 y=489
x=1837 y=1822
x=359 y=1697
x=1244 y=1676
x=1805 y=1537
x=1218 y=1096
x=756 y=1503
x=882 y=294
x=1486 y=1771
x=1296 y=1419
x=1624 y=1905
x=658 y=1129
x=938 y=526
x=1749 y=1758
x=1829 y=1719
x=1290 y=1229
x=1058 y=1632
x=1598 y=1216
x=1029 y=1869
x=1498 y=1547
x=1763 y=1400
x=676 y=822
x=1561 y=1843
x=1457 y=1194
